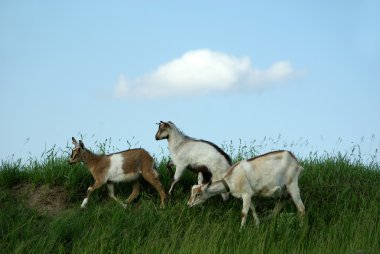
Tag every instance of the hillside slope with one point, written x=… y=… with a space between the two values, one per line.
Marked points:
x=40 y=213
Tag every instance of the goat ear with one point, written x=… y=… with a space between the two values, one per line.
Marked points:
x=166 y=124
x=81 y=144
x=75 y=142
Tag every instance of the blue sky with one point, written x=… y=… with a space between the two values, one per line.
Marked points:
x=220 y=70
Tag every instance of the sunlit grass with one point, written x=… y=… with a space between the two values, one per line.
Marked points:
x=341 y=196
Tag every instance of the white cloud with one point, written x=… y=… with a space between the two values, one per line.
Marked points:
x=201 y=72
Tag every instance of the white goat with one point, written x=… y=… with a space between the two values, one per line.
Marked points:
x=265 y=175
x=202 y=157
x=124 y=166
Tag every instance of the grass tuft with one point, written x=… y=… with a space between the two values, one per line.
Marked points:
x=341 y=196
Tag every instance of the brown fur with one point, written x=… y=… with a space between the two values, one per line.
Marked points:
x=198 y=189
x=98 y=165
x=263 y=191
x=135 y=161
x=199 y=169
x=205 y=173
x=161 y=128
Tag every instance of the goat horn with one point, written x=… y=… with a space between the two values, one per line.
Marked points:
x=208 y=185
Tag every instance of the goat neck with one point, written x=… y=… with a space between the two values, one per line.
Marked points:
x=218 y=187
x=176 y=139
x=90 y=159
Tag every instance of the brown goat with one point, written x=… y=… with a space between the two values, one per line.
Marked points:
x=126 y=166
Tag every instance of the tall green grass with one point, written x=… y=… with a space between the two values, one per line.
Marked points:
x=341 y=195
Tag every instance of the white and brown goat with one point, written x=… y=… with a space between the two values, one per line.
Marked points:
x=126 y=166
x=200 y=156
x=268 y=175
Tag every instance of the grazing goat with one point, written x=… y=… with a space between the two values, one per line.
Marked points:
x=202 y=157
x=271 y=174
x=124 y=166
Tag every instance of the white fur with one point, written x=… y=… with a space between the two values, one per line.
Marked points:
x=265 y=176
x=186 y=151
x=84 y=203
x=141 y=163
x=197 y=154
x=116 y=173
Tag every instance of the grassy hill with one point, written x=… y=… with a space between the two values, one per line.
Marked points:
x=40 y=213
